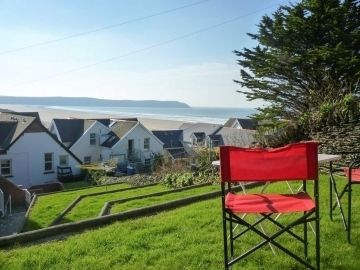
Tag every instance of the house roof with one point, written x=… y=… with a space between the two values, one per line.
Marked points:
x=216 y=138
x=111 y=140
x=120 y=128
x=11 y=127
x=15 y=125
x=245 y=123
x=236 y=137
x=170 y=138
x=70 y=130
x=32 y=114
x=199 y=135
x=186 y=125
x=6 y=110
x=202 y=127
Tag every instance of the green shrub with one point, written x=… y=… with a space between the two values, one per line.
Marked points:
x=93 y=174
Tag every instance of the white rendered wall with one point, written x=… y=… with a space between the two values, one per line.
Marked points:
x=138 y=134
x=82 y=146
x=27 y=157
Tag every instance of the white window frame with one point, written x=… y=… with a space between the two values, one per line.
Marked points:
x=146 y=143
x=85 y=158
x=51 y=162
x=66 y=160
x=9 y=167
x=92 y=138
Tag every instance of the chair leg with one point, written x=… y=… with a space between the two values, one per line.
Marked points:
x=317 y=224
x=231 y=240
x=349 y=214
x=305 y=240
x=225 y=243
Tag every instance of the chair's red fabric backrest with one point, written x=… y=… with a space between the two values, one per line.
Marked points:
x=296 y=161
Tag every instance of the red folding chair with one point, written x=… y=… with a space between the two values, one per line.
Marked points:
x=292 y=162
x=352 y=174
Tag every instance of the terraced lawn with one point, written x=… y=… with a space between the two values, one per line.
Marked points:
x=188 y=238
x=90 y=207
x=47 y=207
x=133 y=204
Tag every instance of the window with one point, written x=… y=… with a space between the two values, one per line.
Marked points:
x=92 y=138
x=64 y=160
x=87 y=159
x=5 y=167
x=147 y=162
x=48 y=159
x=147 y=143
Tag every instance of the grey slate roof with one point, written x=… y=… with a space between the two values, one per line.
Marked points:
x=7 y=130
x=200 y=135
x=236 y=137
x=120 y=128
x=111 y=140
x=170 y=138
x=11 y=127
x=70 y=130
x=216 y=138
x=32 y=114
x=244 y=123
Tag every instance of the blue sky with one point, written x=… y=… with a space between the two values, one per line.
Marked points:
x=197 y=70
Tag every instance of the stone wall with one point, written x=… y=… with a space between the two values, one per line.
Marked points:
x=337 y=139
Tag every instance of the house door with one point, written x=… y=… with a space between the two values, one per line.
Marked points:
x=130 y=147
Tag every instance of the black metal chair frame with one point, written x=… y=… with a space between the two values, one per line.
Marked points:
x=339 y=196
x=306 y=217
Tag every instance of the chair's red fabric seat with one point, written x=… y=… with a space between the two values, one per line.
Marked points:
x=269 y=203
x=355 y=174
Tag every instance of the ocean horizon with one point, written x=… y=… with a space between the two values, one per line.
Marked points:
x=214 y=115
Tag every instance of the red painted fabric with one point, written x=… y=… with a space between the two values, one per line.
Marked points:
x=355 y=174
x=292 y=162
x=269 y=203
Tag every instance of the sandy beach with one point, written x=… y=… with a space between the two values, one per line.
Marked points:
x=47 y=114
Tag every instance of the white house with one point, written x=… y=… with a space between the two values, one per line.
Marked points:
x=83 y=137
x=131 y=140
x=29 y=153
x=173 y=143
x=241 y=123
x=95 y=140
x=195 y=134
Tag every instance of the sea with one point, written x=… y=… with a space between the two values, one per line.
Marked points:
x=193 y=114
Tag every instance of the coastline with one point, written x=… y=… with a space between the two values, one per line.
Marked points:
x=47 y=114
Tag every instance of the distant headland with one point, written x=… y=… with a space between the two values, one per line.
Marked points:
x=90 y=102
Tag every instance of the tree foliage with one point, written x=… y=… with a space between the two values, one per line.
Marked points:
x=307 y=55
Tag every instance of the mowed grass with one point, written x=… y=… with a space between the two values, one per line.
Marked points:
x=133 y=204
x=90 y=207
x=186 y=238
x=48 y=207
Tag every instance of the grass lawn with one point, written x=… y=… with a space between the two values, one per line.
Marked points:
x=120 y=207
x=186 y=238
x=47 y=207
x=90 y=207
x=76 y=184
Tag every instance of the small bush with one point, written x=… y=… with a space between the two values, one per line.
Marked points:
x=93 y=174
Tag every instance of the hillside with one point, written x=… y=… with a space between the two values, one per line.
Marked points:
x=90 y=102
